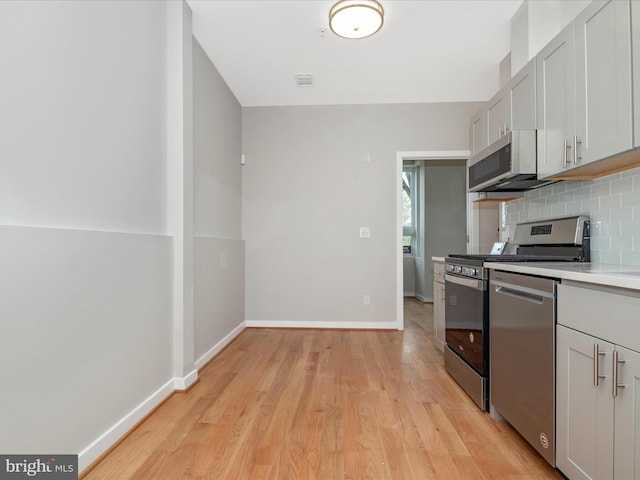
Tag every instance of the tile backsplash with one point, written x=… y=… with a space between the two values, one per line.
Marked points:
x=612 y=202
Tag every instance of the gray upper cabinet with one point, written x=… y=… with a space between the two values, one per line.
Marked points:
x=514 y=106
x=478 y=133
x=584 y=92
x=555 y=85
x=635 y=24
x=498 y=109
x=603 y=82
x=522 y=99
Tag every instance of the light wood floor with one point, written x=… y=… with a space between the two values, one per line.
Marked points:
x=318 y=404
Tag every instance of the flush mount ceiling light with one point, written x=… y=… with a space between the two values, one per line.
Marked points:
x=356 y=18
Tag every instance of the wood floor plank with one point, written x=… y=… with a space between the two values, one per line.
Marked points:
x=327 y=405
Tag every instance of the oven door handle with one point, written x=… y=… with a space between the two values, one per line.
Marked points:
x=466 y=282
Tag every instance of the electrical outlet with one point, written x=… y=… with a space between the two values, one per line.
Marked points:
x=367 y=299
x=365 y=232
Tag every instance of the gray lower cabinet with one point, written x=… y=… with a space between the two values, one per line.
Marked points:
x=438 y=304
x=598 y=383
x=584 y=411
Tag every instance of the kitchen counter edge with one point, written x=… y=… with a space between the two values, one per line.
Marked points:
x=612 y=275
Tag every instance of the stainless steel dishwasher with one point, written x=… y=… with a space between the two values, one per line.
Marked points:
x=522 y=356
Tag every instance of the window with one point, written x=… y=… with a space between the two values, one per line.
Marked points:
x=410 y=207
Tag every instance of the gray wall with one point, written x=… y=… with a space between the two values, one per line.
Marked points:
x=445 y=217
x=218 y=249
x=88 y=219
x=307 y=189
x=84 y=259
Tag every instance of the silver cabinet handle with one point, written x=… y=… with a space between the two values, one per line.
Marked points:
x=596 y=364
x=576 y=157
x=565 y=159
x=615 y=385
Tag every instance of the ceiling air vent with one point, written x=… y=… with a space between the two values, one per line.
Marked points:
x=303 y=79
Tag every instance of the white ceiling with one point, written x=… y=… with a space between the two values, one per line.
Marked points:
x=427 y=51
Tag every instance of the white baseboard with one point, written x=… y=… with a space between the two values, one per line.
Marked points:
x=183 y=383
x=91 y=453
x=423 y=299
x=202 y=361
x=331 y=325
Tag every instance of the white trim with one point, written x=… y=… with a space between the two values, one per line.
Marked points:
x=423 y=299
x=399 y=255
x=100 y=445
x=323 y=325
x=183 y=383
x=217 y=348
x=434 y=155
x=416 y=155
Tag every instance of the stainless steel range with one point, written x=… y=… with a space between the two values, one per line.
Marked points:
x=467 y=319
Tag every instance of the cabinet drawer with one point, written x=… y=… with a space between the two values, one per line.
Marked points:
x=607 y=313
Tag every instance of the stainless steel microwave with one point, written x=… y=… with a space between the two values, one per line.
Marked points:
x=507 y=165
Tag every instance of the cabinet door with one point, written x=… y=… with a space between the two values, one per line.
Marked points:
x=522 y=92
x=603 y=82
x=627 y=412
x=635 y=38
x=584 y=410
x=438 y=313
x=477 y=133
x=555 y=97
x=497 y=110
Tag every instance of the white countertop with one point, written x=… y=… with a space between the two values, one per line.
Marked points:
x=613 y=275
x=441 y=259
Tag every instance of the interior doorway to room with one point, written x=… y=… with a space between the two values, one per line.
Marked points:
x=434 y=219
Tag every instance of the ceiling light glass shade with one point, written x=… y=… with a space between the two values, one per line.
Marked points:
x=356 y=18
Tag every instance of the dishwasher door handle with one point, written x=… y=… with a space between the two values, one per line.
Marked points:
x=527 y=297
x=520 y=292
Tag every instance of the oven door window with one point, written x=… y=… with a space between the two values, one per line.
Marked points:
x=466 y=323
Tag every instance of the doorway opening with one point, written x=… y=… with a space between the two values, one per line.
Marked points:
x=438 y=219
